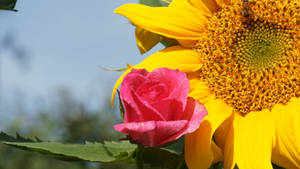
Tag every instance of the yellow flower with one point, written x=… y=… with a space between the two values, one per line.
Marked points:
x=242 y=60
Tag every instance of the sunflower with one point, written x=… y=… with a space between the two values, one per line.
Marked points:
x=242 y=60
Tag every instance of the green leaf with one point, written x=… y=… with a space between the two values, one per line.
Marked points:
x=121 y=150
x=176 y=146
x=168 y=42
x=163 y=157
x=7 y=138
x=94 y=152
x=153 y=3
x=8 y=4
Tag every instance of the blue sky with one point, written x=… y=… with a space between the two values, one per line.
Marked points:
x=66 y=40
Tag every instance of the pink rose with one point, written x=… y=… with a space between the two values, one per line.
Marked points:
x=157 y=107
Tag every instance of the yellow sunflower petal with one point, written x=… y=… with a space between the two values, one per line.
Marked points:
x=218 y=153
x=199 y=150
x=187 y=43
x=286 y=151
x=224 y=138
x=222 y=2
x=229 y=156
x=172 y=22
x=206 y=7
x=198 y=89
x=175 y=57
x=145 y=40
x=253 y=139
x=222 y=132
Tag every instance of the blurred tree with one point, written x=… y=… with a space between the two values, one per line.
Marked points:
x=16 y=52
x=9 y=47
x=64 y=119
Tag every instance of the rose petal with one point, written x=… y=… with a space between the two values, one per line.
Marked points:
x=133 y=80
x=157 y=106
x=138 y=106
x=169 y=108
x=153 y=91
x=176 y=81
x=136 y=109
x=156 y=133
x=143 y=72
x=149 y=113
x=152 y=133
x=194 y=113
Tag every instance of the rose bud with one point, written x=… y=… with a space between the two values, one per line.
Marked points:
x=157 y=107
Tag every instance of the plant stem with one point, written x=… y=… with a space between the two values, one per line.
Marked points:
x=180 y=162
x=139 y=157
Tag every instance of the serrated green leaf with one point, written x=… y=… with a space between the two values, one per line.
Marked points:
x=8 y=4
x=121 y=151
x=7 y=138
x=94 y=152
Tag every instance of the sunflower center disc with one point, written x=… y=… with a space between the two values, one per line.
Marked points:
x=253 y=62
x=260 y=46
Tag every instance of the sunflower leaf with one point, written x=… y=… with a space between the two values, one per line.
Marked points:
x=8 y=4
x=153 y=3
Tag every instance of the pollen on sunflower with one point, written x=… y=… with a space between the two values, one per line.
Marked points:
x=252 y=62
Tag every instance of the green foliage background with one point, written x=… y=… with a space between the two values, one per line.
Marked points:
x=70 y=121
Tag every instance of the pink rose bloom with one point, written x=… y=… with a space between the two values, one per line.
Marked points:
x=157 y=107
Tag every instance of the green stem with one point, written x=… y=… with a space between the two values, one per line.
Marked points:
x=139 y=157
x=180 y=162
